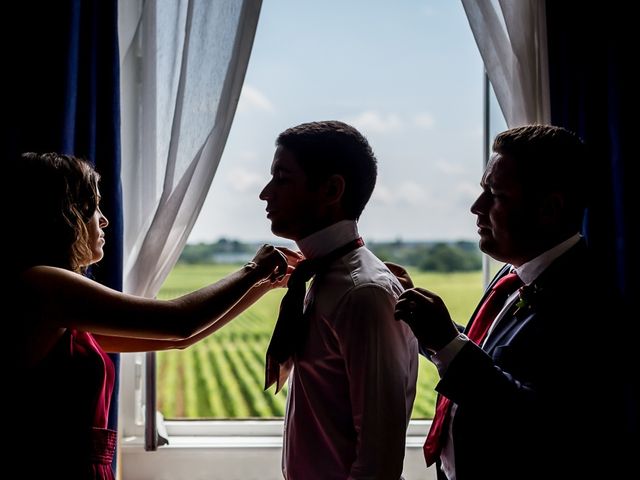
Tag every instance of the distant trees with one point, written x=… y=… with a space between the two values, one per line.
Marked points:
x=445 y=257
x=222 y=251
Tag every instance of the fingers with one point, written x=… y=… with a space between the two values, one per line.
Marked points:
x=404 y=310
x=286 y=267
x=401 y=274
x=415 y=303
x=273 y=262
x=292 y=255
x=395 y=268
x=281 y=266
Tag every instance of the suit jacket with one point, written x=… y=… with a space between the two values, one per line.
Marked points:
x=531 y=397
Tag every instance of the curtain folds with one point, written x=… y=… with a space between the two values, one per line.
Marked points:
x=183 y=66
x=183 y=69
x=62 y=94
x=511 y=37
x=592 y=94
x=592 y=52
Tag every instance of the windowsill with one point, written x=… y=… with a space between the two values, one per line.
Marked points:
x=226 y=449
x=208 y=442
x=243 y=434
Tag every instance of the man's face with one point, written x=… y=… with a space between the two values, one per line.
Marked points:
x=506 y=221
x=292 y=205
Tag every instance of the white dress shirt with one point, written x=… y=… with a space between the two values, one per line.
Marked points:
x=352 y=389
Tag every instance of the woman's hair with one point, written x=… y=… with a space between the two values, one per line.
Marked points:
x=54 y=196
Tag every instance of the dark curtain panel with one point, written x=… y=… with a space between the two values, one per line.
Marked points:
x=592 y=57
x=61 y=76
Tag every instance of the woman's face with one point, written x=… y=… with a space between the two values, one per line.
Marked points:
x=95 y=228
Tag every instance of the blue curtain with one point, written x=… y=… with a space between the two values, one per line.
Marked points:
x=592 y=56
x=62 y=94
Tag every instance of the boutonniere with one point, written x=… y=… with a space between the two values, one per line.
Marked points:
x=527 y=296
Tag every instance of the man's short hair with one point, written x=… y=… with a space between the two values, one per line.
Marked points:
x=330 y=148
x=549 y=159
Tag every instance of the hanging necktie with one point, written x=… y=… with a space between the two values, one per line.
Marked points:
x=290 y=332
x=487 y=313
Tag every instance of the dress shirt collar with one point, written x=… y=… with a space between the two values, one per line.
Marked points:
x=324 y=241
x=528 y=272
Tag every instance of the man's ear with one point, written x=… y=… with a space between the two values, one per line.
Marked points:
x=334 y=189
x=552 y=208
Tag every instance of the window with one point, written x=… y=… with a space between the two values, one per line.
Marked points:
x=410 y=78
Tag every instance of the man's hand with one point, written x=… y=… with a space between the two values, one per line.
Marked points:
x=401 y=274
x=428 y=317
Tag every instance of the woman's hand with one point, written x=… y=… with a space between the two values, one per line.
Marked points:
x=293 y=258
x=269 y=263
x=275 y=264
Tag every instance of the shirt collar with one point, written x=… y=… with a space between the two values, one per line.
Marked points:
x=531 y=270
x=324 y=241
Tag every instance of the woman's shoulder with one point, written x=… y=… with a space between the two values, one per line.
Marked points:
x=48 y=275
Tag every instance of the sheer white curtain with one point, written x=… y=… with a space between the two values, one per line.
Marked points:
x=183 y=65
x=512 y=39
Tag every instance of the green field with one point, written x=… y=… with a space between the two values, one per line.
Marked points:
x=223 y=375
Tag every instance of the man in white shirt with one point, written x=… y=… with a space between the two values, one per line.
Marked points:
x=518 y=401
x=352 y=386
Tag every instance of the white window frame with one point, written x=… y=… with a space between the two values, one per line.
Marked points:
x=215 y=449
x=227 y=449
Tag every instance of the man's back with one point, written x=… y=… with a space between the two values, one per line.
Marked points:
x=353 y=386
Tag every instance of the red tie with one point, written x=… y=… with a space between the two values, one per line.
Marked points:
x=485 y=316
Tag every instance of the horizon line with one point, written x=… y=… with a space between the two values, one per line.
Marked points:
x=370 y=239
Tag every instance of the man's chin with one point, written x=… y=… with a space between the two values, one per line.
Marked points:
x=486 y=245
x=282 y=232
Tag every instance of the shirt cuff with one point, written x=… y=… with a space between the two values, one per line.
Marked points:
x=443 y=357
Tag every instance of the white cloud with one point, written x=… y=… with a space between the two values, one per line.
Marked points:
x=424 y=120
x=449 y=168
x=413 y=194
x=253 y=99
x=245 y=156
x=407 y=193
x=475 y=133
x=373 y=121
x=382 y=194
x=465 y=194
x=427 y=10
x=243 y=180
x=468 y=190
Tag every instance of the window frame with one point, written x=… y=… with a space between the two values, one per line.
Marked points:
x=194 y=445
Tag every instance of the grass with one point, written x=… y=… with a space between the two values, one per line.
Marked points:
x=233 y=347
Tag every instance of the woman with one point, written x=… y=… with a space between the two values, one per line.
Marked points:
x=67 y=322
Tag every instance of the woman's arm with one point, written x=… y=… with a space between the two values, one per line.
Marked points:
x=124 y=344
x=62 y=299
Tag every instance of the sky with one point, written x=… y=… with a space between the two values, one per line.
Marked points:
x=407 y=74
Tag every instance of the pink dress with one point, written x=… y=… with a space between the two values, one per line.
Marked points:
x=63 y=409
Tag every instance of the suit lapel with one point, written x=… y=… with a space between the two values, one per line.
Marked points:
x=554 y=278
x=507 y=328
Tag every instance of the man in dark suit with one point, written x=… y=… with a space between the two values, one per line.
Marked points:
x=525 y=393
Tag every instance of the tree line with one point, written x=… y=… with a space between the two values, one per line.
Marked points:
x=444 y=257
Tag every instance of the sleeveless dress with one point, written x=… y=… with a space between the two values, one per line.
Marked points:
x=64 y=410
